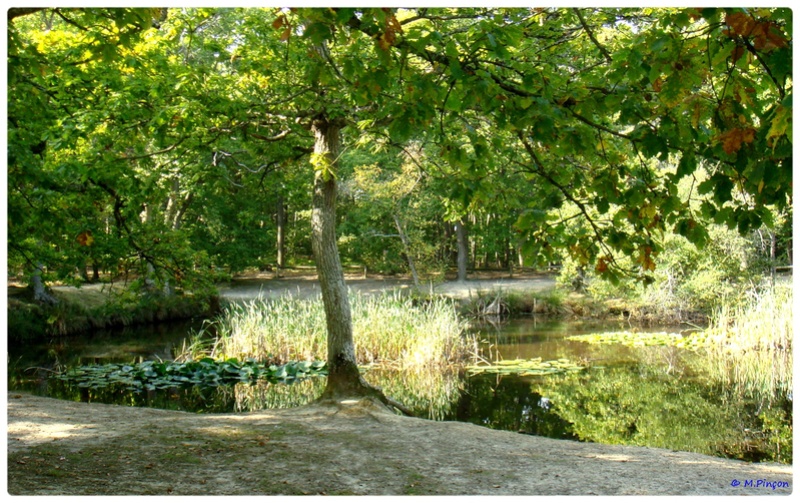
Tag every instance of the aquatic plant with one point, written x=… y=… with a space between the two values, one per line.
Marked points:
x=693 y=340
x=532 y=367
x=150 y=375
x=752 y=344
x=388 y=329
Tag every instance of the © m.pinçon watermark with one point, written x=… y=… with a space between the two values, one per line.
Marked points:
x=760 y=483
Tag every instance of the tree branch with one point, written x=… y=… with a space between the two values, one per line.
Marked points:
x=764 y=65
x=16 y=12
x=582 y=207
x=591 y=35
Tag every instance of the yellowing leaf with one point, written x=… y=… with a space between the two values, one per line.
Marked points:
x=657 y=84
x=737 y=53
x=696 y=114
x=767 y=36
x=732 y=140
x=85 y=238
x=740 y=23
x=780 y=123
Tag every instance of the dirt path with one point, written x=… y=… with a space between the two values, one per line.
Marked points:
x=304 y=284
x=64 y=448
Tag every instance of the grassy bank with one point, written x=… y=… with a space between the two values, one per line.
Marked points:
x=84 y=311
x=560 y=302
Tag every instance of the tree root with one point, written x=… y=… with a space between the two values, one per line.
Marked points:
x=363 y=389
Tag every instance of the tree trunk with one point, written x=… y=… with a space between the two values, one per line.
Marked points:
x=773 y=248
x=463 y=251
x=407 y=249
x=281 y=225
x=40 y=293
x=344 y=379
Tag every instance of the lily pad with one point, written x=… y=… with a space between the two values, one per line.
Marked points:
x=532 y=367
x=640 y=339
x=206 y=372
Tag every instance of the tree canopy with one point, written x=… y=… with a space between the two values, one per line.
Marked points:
x=164 y=140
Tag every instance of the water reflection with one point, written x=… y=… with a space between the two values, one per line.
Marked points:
x=264 y=395
x=649 y=396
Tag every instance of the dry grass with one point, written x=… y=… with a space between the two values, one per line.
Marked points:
x=388 y=329
x=753 y=350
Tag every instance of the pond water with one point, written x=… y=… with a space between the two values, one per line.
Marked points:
x=649 y=396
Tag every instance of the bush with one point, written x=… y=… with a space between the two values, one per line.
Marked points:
x=689 y=282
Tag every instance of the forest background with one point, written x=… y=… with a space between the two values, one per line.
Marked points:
x=172 y=147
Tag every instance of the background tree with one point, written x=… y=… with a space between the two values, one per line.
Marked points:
x=175 y=134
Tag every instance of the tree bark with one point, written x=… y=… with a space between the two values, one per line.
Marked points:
x=461 y=238
x=407 y=248
x=344 y=378
x=281 y=225
x=40 y=293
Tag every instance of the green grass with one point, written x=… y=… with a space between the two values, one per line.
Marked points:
x=388 y=329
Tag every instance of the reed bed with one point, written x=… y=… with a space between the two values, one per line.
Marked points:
x=752 y=350
x=389 y=329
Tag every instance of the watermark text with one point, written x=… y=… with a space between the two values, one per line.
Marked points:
x=760 y=483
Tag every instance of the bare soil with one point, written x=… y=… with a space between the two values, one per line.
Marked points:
x=303 y=284
x=57 y=447
x=60 y=448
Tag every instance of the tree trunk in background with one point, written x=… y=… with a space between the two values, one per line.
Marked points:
x=773 y=248
x=281 y=224
x=40 y=293
x=344 y=379
x=407 y=250
x=463 y=251
x=508 y=260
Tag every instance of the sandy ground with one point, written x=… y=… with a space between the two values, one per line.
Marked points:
x=303 y=285
x=65 y=448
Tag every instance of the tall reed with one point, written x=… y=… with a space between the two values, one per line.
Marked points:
x=752 y=352
x=388 y=329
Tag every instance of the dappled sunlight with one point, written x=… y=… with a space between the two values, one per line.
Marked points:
x=222 y=430
x=40 y=432
x=26 y=428
x=613 y=457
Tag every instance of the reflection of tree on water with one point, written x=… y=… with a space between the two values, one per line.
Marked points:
x=430 y=392
x=660 y=402
x=266 y=395
x=507 y=403
x=642 y=405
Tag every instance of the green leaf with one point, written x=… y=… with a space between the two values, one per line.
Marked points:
x=686 y=166
x=317 y=32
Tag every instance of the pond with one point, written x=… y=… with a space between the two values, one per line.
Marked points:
x=647 y=396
